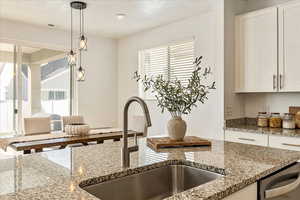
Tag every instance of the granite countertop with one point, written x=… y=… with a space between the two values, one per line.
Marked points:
x=56 y=175
x=249 y=125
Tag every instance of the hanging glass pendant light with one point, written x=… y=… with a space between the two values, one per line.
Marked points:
x=83 y=43
x=71 y=55
x=81 y=74
x=82 y=38
x=81 y=71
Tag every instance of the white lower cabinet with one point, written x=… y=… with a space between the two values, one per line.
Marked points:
x=248 y=193
x=246 y=138
x=274 y=141
x=290 y=143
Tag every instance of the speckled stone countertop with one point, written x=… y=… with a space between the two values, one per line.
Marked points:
x=249 y=125
x=56 y=175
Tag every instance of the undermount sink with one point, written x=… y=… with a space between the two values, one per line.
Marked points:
x=153 y=184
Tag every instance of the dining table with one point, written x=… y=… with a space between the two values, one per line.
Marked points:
x=61 y=140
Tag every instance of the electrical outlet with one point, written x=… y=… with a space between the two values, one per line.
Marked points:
x=228 y=111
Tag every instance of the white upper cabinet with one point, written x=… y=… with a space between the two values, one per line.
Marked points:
x=289 y=47
x=256 y=51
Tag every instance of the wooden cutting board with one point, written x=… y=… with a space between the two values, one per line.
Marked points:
x=296 y=111
x=166 y=142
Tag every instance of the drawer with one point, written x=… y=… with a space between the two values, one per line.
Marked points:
x=290 y=143
x=247 y=138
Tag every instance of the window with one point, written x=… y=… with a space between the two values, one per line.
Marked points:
x=53 y=95
x=173 y=61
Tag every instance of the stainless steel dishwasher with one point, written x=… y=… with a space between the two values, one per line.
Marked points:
x=283 y=185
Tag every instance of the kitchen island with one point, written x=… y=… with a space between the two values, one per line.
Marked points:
x=57 y=174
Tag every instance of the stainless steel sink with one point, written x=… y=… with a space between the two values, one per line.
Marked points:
x=152 y=184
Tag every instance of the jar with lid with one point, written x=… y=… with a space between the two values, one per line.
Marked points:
x=288 y=121
x=262 y=119
x=275 y=120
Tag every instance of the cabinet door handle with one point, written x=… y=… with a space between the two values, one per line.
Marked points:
x=291 y=145
x=247 y=139
x=281 y=81
x=274 y=82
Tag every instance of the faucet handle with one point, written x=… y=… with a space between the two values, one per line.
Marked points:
x=133 y=148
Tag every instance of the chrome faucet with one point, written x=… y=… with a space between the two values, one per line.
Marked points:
x=125 y=149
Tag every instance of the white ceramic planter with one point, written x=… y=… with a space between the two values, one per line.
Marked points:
x=176 y=128
x=77 y=130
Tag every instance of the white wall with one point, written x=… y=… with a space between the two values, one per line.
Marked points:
x=207 y=28
x=269 y=102
x=97 y=96
x=234 y=104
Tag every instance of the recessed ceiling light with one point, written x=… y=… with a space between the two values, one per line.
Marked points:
x=51 y=25
x=120 y=16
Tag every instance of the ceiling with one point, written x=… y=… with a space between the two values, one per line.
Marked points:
x=100 y=15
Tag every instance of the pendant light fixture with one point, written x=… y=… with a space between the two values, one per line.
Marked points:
x=82 y=39
x=71 y=55
x=80 y=72
x=78 y=5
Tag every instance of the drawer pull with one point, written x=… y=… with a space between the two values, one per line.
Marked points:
x=291 y=145
x=247 y=139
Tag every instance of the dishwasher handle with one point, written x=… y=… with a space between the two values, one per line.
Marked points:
x=282 y=190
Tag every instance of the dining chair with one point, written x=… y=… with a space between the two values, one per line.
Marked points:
x=36 y=125
x=56 y=123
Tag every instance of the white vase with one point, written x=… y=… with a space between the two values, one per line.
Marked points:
x=176 y=128
x=77 y=130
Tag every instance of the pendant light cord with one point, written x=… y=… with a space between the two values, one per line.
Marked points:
x=82 y=22
x=71 y=29
x=80 y=30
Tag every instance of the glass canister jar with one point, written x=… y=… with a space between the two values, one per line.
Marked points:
x=275 y=120
x=262 y=119
x=288 y=121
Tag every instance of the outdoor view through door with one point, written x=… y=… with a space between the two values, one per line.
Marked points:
x=33 y=82
x=55 y=87
x=6 y=87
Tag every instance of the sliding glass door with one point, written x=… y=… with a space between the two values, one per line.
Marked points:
x=55 y=87
x=7 y=89
x=33 y=82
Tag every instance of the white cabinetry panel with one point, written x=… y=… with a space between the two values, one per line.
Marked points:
x=246 y=138
x=289 y=143
x=289 y=47
x=256 y=51
x=248 y=193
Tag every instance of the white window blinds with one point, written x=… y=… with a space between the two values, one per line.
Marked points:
x=155 y=61
x=181 y=58
x=172 y=61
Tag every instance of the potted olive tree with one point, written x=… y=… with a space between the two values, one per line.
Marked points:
x=179 y=98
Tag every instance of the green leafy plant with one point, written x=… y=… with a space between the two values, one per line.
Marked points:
x=176 y=97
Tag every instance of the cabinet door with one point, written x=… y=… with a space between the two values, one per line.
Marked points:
x=289 y=47
x=256 y=51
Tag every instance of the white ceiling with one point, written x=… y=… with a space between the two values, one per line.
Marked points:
x=100 y=14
